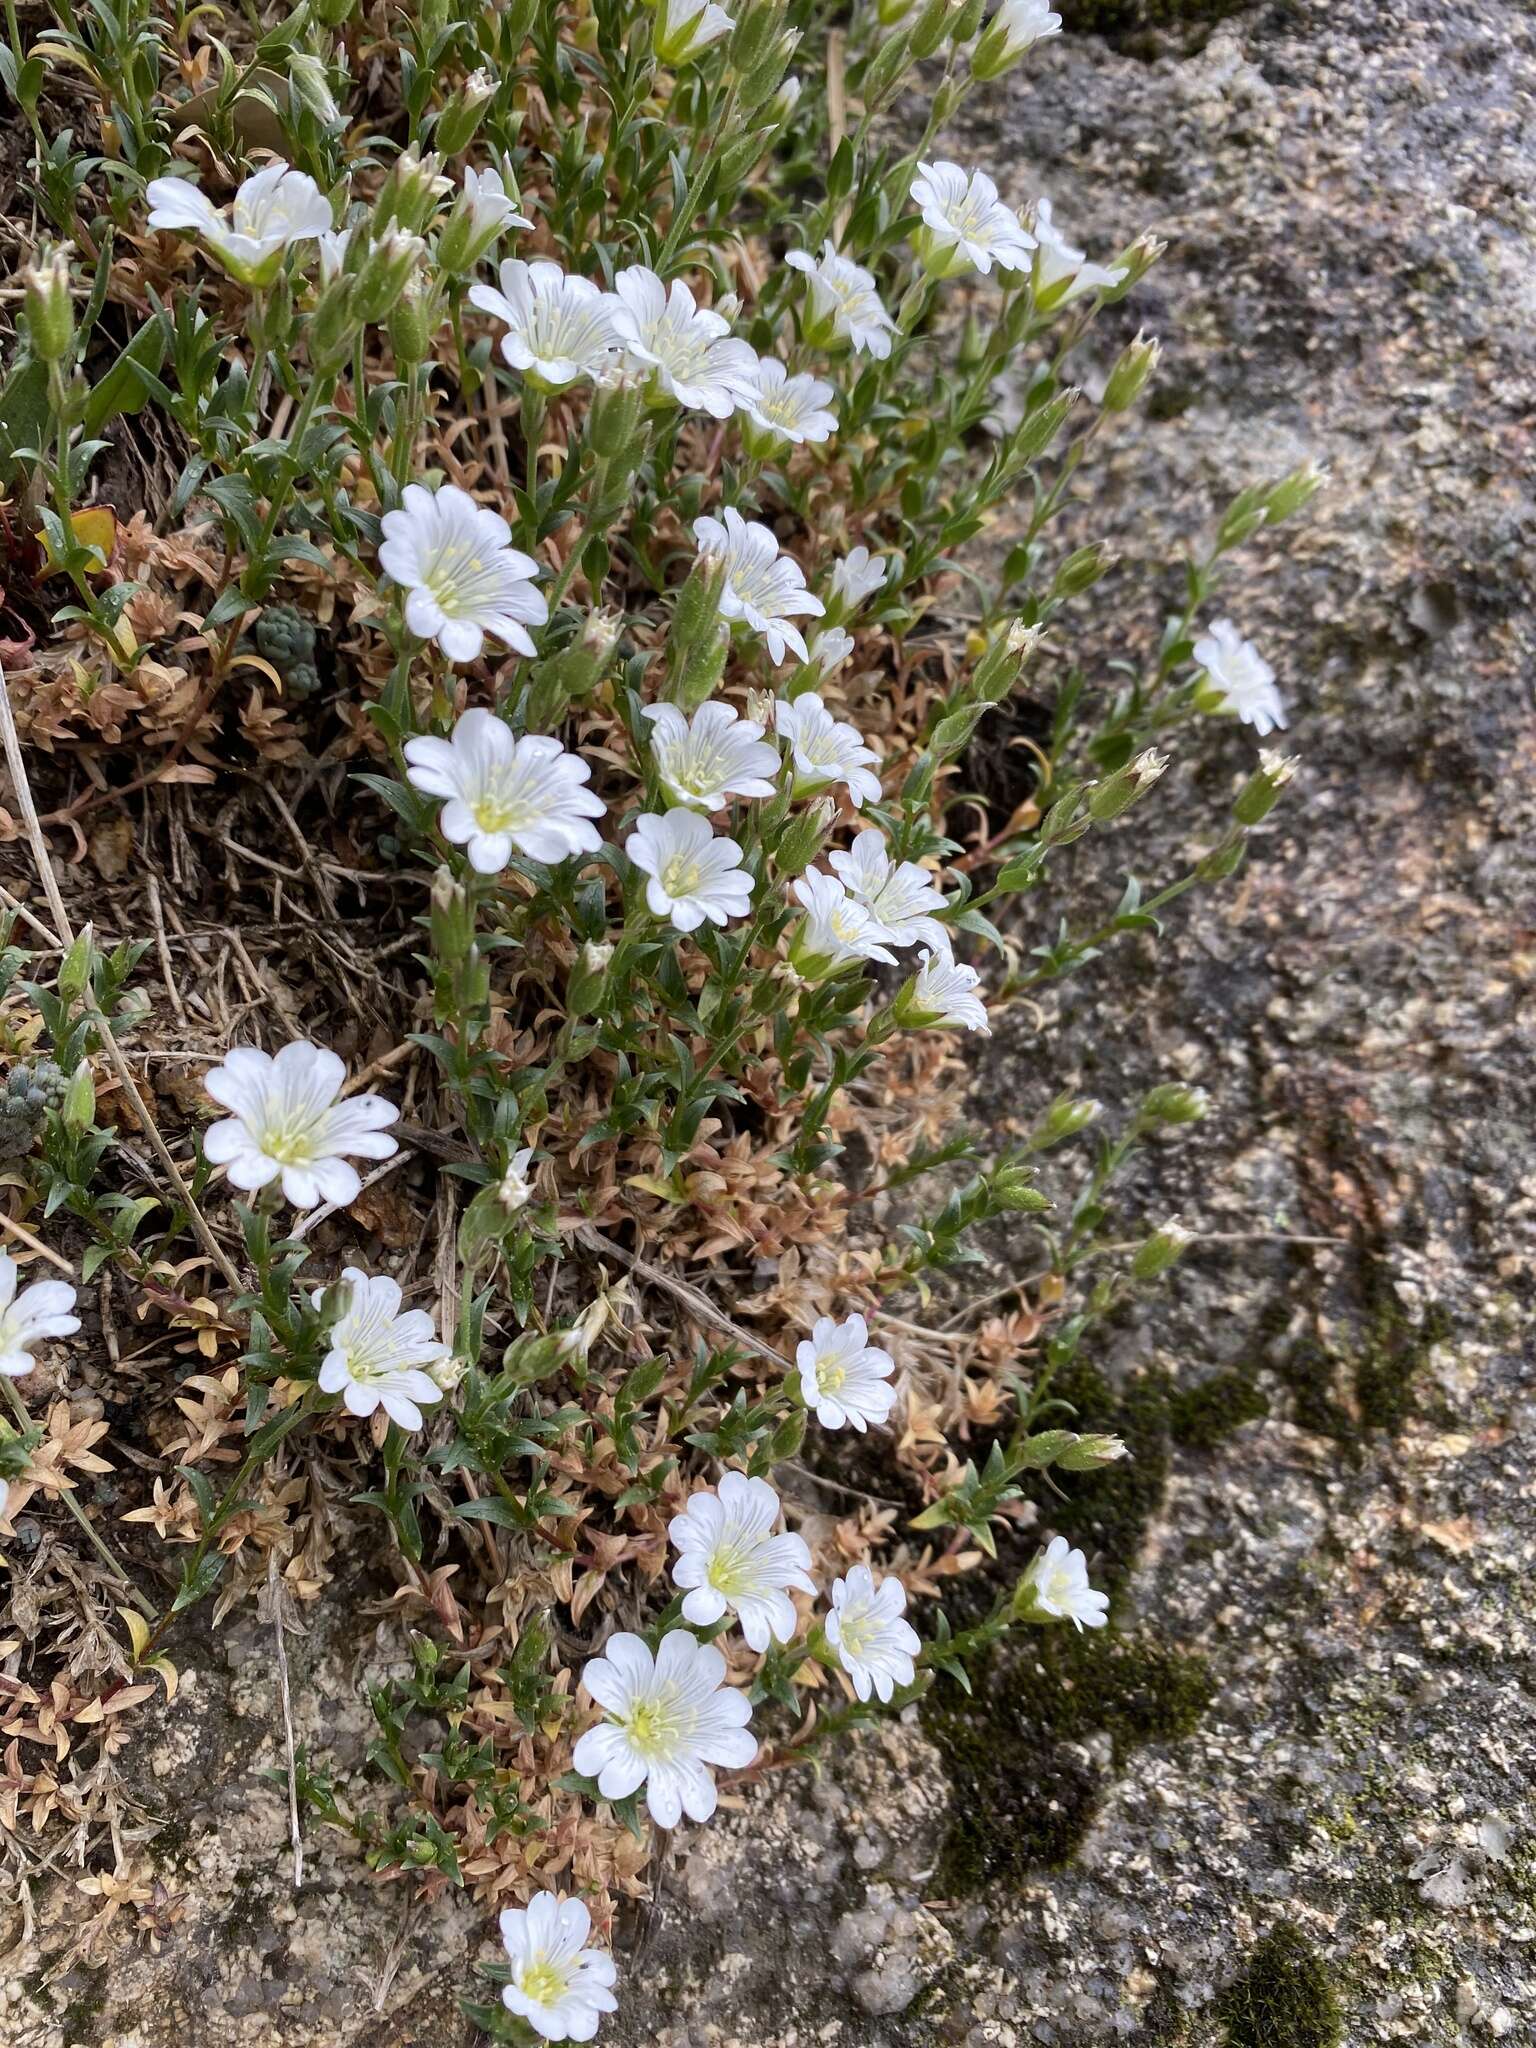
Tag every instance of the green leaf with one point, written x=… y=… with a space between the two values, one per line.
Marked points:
x=123 y=389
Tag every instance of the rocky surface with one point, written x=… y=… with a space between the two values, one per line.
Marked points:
x=1343 y=1830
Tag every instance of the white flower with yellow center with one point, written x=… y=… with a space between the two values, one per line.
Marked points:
x=826 y=750
x=669 y=1717
x=764 y=588
x=845 y=303
x=560 y=328
x=462 y=577
x=943 y=993
x=730 y=1561
x=1062 y=273
x=843 y=1377
x=709 y=758
x=380 y=1355
x=28 y=1319
x=558 y=1986
x=835 y=931
x=688 y=348
x=899 y=895
x=783 y=409
x=1056 y=1588
x=1241 y=680
x=865 y=1627
x=965 y=225
x=693 y=875
x=502 y=792
x=290 y=1125
x=272 y=211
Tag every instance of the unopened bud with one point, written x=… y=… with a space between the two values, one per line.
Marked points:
x=1062 y=822
x=1117 y=792
x=413 y=320
x=312 y=88
x=1294 y=491
x=1224 y=858
x=1090 y=1453
x=1082 y=569
x=928 y=29
x=385 y=271
x=459 y=122
x=1064 y=1119
x=1011 y=1189
x=803 y=838
x=50 y=308
x=410 y=193
x=1171 y=1102
x=1138 y=359
x=588 y=976
x=452 y=918
x=75 y=970
x=1135 y=262
x=1164 y=1248
x=1261 y=792
x=79 y=1106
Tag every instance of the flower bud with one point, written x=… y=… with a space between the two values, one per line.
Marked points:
x=413 y=320
x=409 y=195
x=777 y=113
x=967 y=20
x=1135 y=262
x=1062 y=823
x=385 y=271
x=1224 y=858
x=587 y=979
x=885 y=70
x=1164 y=1248
x=333 y=321
x=79 y=1106
x=452 y=918
x=1294 y=490
x=75 y=969
x=1261 y=792
x=1012 y=1190
x=756 y=27
x=312 y=88
x=1171 y=1102
x=459 y=122
x=1090 y=1453
x=803 y=838
x=1138 y=359
x=1082 y=569
x=50 y=308
x=614 y=424
x=1066 y=1116
x=1117 y=792
x=927 y=31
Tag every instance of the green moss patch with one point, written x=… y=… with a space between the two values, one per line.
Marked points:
x=1284 y=1998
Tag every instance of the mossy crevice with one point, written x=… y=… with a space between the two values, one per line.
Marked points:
x=1284 y=1997
x=1025 y=1788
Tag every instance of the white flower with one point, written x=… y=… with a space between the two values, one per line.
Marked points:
x=488 y=205
x=944 y=992
x=685 y=29
x=845 y=303
x=1243 y=677
x=693 y=875
x=826 y=750
x=559 y=328
x=965 y=225
x=689 y=347
x=273 y=210
x=40 y=1311
x=1062 y=273
x=1056 y=1585
x=874 y=1644
x=1016 y=27
x=843 y=1376
x=333 y=245
x=831 y=649
x=898 y=895
x=669 y=1718
x=504 y=792
x=515 y=1189
x=289 y=1124
x=730 y=1561
x=857 y=576
x=381 y=1356
x=559 y=1986
x=464 y=578
x=789 y=408
x=836 y=929
x=763 y=588
x=715 y=755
